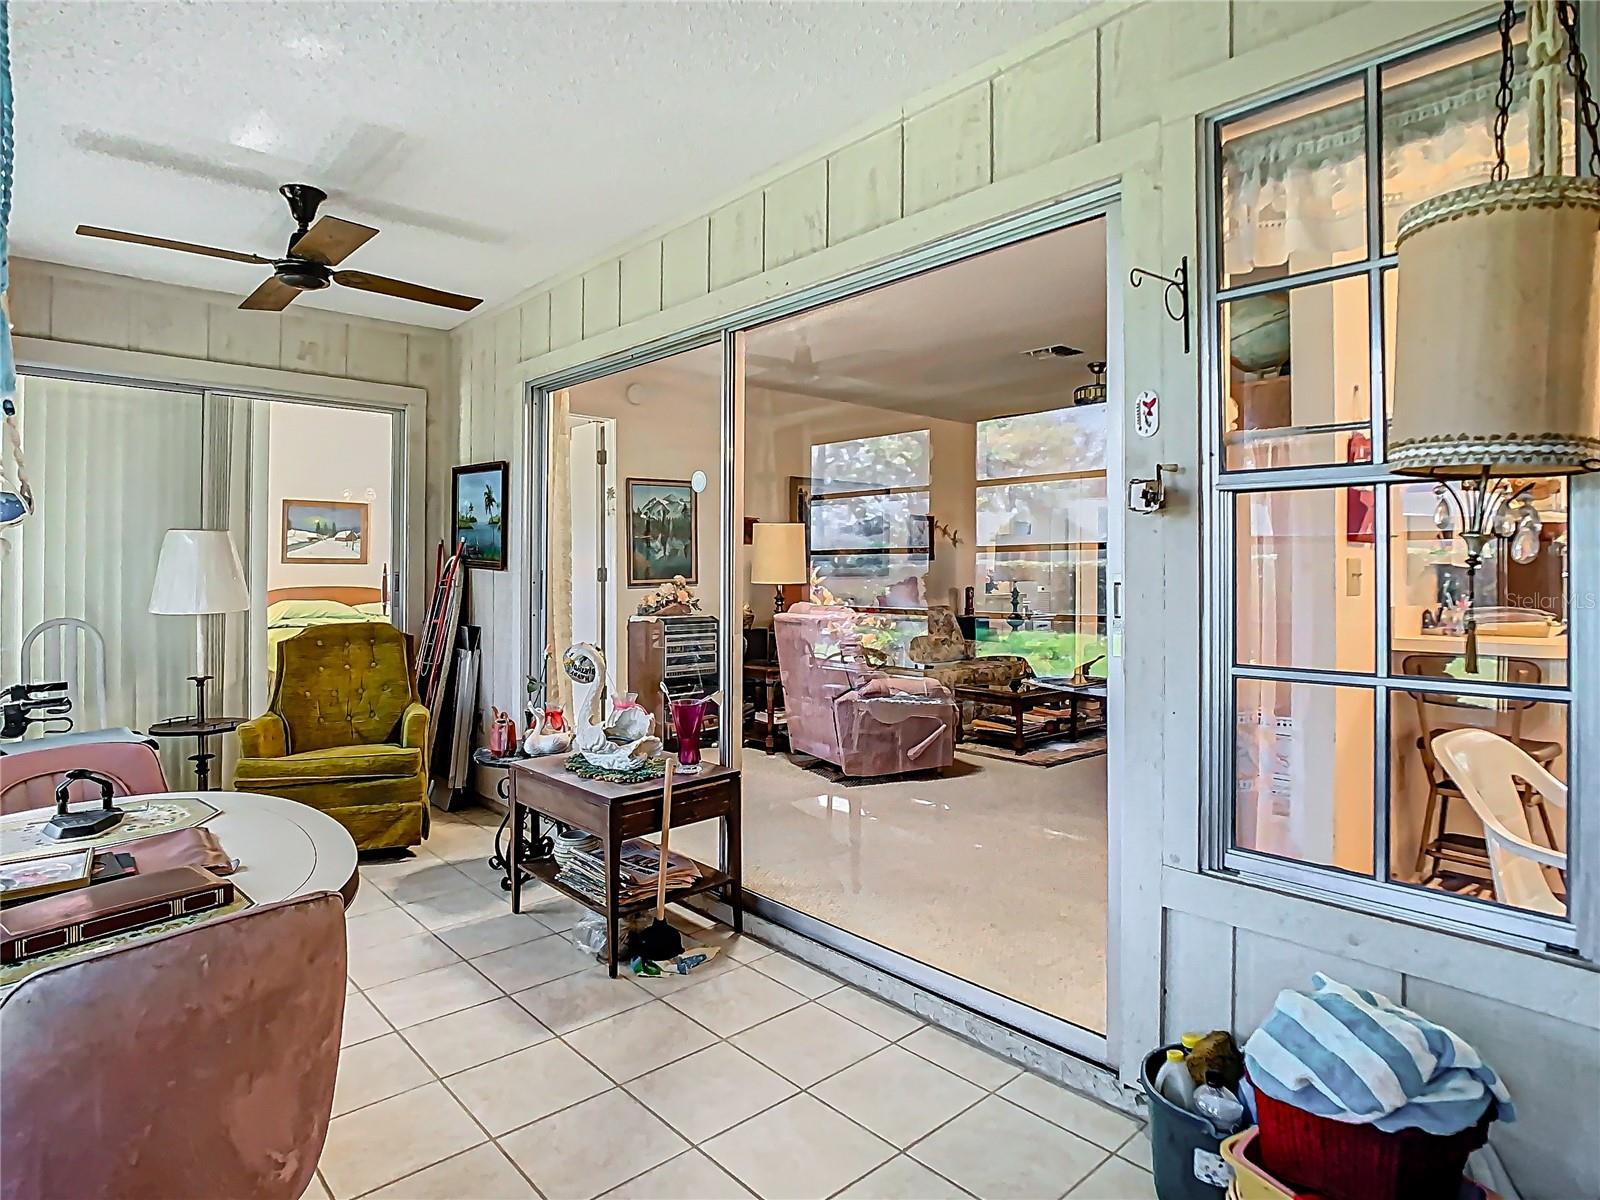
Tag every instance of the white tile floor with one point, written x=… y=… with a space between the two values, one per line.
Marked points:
x=485 y=1058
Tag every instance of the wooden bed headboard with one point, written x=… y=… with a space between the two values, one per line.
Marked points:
x=338 y=594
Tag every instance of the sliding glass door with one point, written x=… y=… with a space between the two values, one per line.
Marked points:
x=310 y=493
x=938 y=452
x=943 y=440
x=113 y=467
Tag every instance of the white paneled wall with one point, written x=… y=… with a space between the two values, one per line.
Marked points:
x=65 y=304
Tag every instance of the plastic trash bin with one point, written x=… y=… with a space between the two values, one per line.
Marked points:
x=1185 y=1151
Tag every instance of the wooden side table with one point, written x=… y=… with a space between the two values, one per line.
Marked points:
x=202 y=729
x=766 y=676
x=615 y=812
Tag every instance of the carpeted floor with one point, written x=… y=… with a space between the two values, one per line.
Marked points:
x=994 y=871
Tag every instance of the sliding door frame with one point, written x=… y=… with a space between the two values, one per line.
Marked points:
x=132 y=368
x=1102 y=202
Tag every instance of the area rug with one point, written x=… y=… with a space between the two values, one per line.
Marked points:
x=1044 y=754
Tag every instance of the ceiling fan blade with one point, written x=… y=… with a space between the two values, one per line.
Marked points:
x=272 y=295
x=405 y=291
x=331 y=240
x=119 y=235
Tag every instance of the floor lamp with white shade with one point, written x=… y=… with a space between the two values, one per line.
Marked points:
x=198 y=574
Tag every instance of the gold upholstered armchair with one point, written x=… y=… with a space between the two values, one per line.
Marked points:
x=344 y=733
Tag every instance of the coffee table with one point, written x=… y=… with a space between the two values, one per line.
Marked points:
x=1055 y=696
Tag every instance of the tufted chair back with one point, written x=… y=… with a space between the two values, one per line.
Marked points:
x=344 y=684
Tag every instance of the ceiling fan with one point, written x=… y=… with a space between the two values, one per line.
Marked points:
x=308 y=264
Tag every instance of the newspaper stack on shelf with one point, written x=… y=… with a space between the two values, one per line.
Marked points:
x=584 y=872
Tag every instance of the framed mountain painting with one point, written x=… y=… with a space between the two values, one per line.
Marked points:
x=662 y=539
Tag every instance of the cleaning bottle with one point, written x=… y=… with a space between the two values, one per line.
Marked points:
x=1173 y=1081
x=1214 y=1102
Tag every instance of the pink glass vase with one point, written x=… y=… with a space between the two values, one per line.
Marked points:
x=688 y=716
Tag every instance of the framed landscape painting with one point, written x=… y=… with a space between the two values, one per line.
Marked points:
x=661 y=532
x=325 y=531
x=479 y=494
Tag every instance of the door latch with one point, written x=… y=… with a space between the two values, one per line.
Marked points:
x=1150 y=495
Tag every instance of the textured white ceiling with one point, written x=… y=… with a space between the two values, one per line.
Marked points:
x=494 y=144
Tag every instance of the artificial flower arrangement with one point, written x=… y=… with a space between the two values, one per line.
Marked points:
x=819 y=590
x=670 y=599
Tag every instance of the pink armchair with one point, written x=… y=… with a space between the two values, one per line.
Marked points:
x=30 y=771
x=860 y=719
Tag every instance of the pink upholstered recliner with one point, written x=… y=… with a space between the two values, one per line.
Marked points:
x=193 y=1065
x=841 y=710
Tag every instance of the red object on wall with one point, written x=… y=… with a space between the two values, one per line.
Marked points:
x=1361 y=501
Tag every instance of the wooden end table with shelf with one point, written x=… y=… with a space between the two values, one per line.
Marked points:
x=616 y=812
x=767 y=677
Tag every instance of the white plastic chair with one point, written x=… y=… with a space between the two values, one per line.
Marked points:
x=1487 y=768
x=75 y=652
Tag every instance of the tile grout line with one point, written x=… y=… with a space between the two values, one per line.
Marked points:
x=437 y=1078
x=692 y=1144
x=691 y=1148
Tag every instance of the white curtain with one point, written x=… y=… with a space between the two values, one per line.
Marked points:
x=1295 y=192
x=113 y=468
x=235 y=490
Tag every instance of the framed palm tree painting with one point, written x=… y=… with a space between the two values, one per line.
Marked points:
x=479 y=493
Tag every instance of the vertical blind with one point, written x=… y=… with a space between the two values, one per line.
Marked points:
x=114 y=467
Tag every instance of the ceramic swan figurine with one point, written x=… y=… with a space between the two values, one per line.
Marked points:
x=586 y=667
x=616 y=742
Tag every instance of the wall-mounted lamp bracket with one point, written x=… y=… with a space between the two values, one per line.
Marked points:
x=1175 y=296
x=1150 y=495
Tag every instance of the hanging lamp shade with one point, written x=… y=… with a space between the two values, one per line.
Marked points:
x=1497 y=335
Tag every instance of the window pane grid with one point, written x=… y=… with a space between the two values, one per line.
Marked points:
x=1247 y=573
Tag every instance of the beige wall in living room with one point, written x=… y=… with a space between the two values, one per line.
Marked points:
x=673 y=431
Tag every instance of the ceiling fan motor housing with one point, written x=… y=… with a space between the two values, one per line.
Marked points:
x=302 y=274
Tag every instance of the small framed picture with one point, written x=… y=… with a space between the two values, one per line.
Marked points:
x=325 y=531
x=479 y=496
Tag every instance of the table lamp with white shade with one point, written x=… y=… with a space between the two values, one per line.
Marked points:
x=778 y=556
x=199 y=573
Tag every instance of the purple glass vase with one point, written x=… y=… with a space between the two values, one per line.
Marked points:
x=687 y=718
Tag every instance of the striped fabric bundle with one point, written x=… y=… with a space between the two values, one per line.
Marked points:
x=1353 y=1055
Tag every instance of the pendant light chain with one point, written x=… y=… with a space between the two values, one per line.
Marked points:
x=1578 y=67
x=1503 y=98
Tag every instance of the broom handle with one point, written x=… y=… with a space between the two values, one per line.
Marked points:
x=666 y=829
